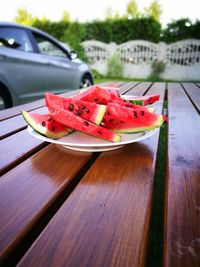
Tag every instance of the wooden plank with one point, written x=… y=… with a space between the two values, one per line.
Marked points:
x=14 y=151
x=127 y=86
x=194 y=93
x=118 y=83
x=15 y=124
x=29 y=190
x=140 y=89
x=182 y=237
x=12 y=112
x=15 y=111
x=105 y=221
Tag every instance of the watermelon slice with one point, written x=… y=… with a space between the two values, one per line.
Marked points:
x=99 y=95
x=70 y=120
x=46 y=125
x=88 y=111
x=128 y=120
x=141 y=100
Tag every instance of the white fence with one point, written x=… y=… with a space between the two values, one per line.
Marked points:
x=182 y=59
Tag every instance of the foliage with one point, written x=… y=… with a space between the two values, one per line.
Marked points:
x=56 y=29
x=154 y=10
x=158 y=67
x=110 y=13
x=132 y=9
x=24 y=16
x=115 y=67
x=96 y=75
x=111 y=30
x=72 y=36
x=181 y=29
x=65 y=16
x=115 y=28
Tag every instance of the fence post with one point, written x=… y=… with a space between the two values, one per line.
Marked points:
x=112 y=49
x=162 y=51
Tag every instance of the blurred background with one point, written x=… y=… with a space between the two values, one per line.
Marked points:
x=154 y=40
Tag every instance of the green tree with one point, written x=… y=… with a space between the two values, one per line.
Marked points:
x=111 y=14
x=24 y=17
x=132 y=9
x=66 y=16
x=154 y=10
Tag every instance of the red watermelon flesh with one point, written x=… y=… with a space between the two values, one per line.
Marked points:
x=98 y=95
x=142 y=100
x=88 y=111
x=70 y=120
x=127 y=104
x=127 y=120
x=46 y=125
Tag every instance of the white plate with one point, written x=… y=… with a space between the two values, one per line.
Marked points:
x=82 y=142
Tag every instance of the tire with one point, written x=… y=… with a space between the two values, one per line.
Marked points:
x=86 y=81
x=5 y=99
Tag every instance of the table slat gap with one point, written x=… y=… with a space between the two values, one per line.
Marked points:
x=112 y=203
x=193 y=92
x=48 y=184
x=182 y=228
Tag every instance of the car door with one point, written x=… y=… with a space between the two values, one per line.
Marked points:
x=62 y=73
x=19 y=65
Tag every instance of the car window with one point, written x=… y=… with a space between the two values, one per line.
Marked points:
x=47 y=47
x=15 y=38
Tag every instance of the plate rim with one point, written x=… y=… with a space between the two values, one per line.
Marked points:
x=145 y=135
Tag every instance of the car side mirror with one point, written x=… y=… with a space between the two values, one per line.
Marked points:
x=73 y=55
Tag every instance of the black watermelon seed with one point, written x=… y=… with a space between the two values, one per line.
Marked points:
x=53 y=128
x=108 y=113
x=95 y=99
x=43 y=123
x=135 y=114
x=99 y=132
x=71 y=107
x=111 y=120
x=83 y=107
x=49 y=119
x=142 y=113
x=79 y=112
x=87 y=110
x=86 y=123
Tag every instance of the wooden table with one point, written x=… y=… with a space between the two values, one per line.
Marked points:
x=65 y=208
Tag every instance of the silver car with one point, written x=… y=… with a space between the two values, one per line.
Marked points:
x=33 y=62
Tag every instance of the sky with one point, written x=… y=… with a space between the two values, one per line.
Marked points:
x=88 y=10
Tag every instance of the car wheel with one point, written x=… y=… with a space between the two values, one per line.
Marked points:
x=86 y=81
x=5 y=101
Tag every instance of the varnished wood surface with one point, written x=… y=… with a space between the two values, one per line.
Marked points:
x=140 y=89
x=183 y=182
x=15 y=124
x=27 y=191
x=105 y=221
x=14 y=111
x=16 y=148
x=194 y=93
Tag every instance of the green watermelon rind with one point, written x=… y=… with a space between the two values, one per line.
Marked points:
x=42 y=130
x=157 y=124
x=100 y=114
